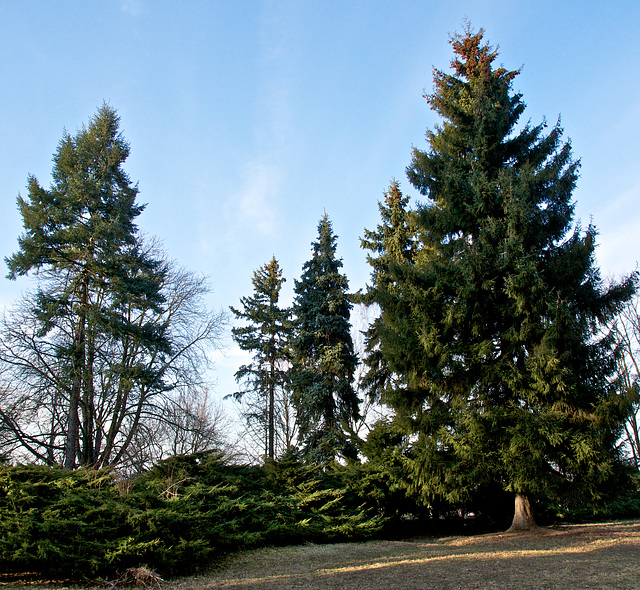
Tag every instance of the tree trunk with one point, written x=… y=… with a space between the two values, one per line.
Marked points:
x=89 y=454
x=77 y=367
x=271 y=452
x=523 y=519
x=633 y=436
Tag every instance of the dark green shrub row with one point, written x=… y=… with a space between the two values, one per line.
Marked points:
x=177 y=519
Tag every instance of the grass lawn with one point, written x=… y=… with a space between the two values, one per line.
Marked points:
x=574 y=556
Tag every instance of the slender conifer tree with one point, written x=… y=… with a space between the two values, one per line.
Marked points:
x=267 y=336
x=324 y=357
x=392 y=246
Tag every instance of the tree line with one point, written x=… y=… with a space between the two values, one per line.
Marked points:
x=505 y=363
x=493 y=346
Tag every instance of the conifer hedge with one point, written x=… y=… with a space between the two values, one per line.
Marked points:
x=178 y=518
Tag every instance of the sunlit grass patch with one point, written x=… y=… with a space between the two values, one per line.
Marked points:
x=578 y=556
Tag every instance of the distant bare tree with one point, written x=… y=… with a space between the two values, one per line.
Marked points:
x=193 y=423
x=190 y=423
x=627 y=333
x=371 y=409
x=252 y=433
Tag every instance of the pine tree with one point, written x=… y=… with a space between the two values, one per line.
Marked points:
x=95 y=277
x=267 y=335
x=498 y=334
x=392 y=246
x=324 y=358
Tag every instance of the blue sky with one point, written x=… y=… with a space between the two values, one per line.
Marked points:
x=248 y=119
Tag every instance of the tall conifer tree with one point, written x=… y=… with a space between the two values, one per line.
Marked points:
x=324 y=357
x=81 y=237
x=267 y=335
x=498 y=335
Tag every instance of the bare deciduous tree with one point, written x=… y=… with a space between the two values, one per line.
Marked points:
x=627 y=333
x=131 y=387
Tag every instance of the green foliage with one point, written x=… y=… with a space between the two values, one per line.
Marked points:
x=267 y=335
x=324 y=359
x=489 y=345
x=392 y=246
x=98 y=294
x=58 y=522
x=178 y=518
x=621 y=501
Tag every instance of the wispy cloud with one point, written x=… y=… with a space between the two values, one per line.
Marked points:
x=254 y=206
x=132 y=7
x=227 y=362
x=618 y=224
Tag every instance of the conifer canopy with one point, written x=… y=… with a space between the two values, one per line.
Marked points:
x=324 y=359
x=492 y=308
x=99 y=289
x=266 y=334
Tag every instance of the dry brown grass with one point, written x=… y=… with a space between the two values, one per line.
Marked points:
x=577 y=556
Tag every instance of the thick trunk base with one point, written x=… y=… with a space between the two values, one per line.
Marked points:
x=523 y=519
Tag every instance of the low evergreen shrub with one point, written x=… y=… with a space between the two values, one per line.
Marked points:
x=178 y=518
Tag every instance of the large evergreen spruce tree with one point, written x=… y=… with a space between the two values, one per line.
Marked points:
x=267 y=336
x=324 y=357
x=495 y=322
x=96 y=282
